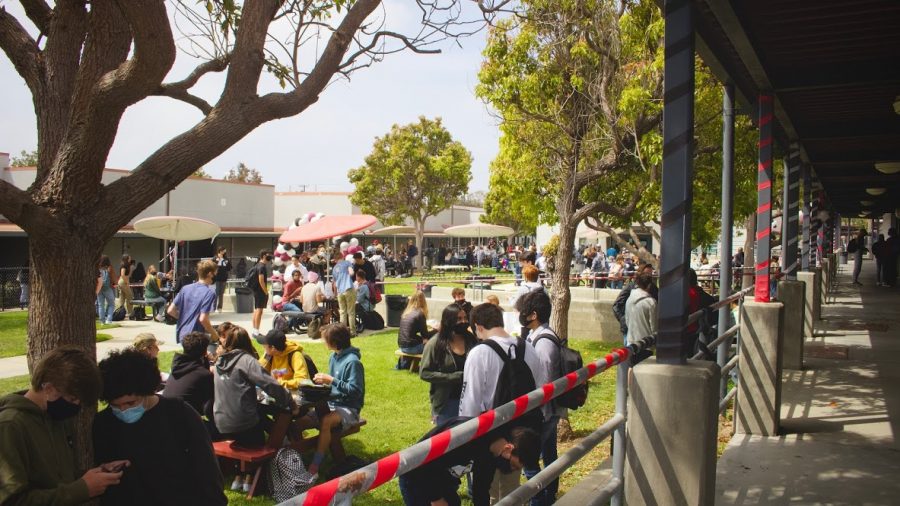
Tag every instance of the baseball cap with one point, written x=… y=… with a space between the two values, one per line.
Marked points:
x=274 y=338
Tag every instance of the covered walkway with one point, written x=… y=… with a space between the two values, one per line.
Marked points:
x=840 y=414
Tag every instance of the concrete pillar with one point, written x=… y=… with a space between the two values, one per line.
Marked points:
x=811 y=302
x=826 y=279
x=759 y=388
x=792 y=294
x=673 y=413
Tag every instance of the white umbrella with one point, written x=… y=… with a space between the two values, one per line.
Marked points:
x=177 y=228
x=479 y=230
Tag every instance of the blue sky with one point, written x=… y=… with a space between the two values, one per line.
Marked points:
x=319 y=146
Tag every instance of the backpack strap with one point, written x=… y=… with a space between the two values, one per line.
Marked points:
x=494 y=345
x=548 y=334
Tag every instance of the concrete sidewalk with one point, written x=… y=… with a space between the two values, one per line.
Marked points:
x=124 y=336
x=840 y=414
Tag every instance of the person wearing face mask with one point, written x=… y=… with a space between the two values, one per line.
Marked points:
x=170 y=452
x=503 y=449
x=38 y=462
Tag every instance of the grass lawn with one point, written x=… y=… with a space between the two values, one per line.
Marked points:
x=13 y=332
x=407 y=286
x=397 y=410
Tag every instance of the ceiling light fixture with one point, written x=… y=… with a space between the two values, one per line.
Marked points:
x=897 y=104
x=876 y=191
x=888 y=167
x=866 y=203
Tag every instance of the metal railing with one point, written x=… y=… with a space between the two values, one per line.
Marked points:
x=342 y=489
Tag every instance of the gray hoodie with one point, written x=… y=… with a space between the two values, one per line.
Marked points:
x=237 y=376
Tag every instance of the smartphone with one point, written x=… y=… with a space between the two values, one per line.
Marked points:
x=116 y=468
x=212 y=349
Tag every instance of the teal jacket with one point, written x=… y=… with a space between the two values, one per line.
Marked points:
x=37 y=461
x=349 y=386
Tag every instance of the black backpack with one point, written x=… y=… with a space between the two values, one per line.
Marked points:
x=570 y=361
x=252 y=279
x=852 y=246
x=515 y=380
x=619 y=308
x=119 y=314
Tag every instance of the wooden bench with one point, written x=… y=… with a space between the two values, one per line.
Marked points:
x=413 y=359
x=248 y=458
x=338 y=454
x=475 y=282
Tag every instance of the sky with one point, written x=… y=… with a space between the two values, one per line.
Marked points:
x=319 y=146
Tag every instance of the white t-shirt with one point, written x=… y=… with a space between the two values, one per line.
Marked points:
x=482 y=370
x=548 y=354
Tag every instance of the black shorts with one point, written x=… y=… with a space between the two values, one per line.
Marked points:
x=260 y=299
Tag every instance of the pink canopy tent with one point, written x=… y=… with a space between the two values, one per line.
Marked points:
x=327 y=227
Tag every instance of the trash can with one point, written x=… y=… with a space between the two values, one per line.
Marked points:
x=395 y=306
x=243 y=300
x=425 y=288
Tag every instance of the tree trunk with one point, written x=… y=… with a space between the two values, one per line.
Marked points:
x=560 y=294
x=749 y=252
x=62 y=308
x=420 y=238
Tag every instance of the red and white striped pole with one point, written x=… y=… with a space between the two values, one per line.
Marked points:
x=341 y=490
x=764 y=198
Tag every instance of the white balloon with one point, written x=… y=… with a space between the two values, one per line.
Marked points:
x=295 y=244
x=319 y=215
x=279 y=249
x=348 y=258
x=344 y=246
x=315 y=218
x=278 y=261
x=354 y=242
x=290 y=252
x=302 y=221
x=292 y=227
x=276 y=299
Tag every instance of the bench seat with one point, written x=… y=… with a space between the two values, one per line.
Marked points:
x=413 y=359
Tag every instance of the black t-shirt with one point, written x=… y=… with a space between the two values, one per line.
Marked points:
x=460 y=362
x=172 y=461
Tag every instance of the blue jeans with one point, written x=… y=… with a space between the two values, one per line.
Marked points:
x=290 y=306
x=106 y=304
x=448 y=411
x=412 y=350
x=546 y=496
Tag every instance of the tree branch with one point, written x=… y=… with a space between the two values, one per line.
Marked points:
x=179 y=89
x=184 y=96
x=640 y=251
x=39 y=13
x=21 y=50
x=409 y=44
x=248 y=58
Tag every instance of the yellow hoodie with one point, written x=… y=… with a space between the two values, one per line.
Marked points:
x=291 y=359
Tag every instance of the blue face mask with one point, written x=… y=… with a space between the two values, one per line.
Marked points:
x=130 y=415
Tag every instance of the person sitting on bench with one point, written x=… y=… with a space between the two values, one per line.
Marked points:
x=346 y=377
x=284 y=359
x=291 y=299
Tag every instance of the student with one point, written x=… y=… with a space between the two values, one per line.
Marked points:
x=346 y=377
x=459 y=298
x=284 y=359
x=223 y=267
x=534 y=314
x=363 y=296
x=530 y=284
x=37 y=461
x=259 y=286
x=492 y=299
x=191 y=380
x=153 y=295
x=346 y=293
x=169 y=451
x=504 y=449
x=414 y=332
x=443 y=361
x=195 y=302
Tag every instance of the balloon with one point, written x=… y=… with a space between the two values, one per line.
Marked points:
x=280 y=249
x=276 y=299
x=278 y=261
x=355 y=249
x=315 y=218
x=296 y=221
x=290 y=252
x=295 y=244
x=285 y=257
x=303 y=221
x=344 y=246
x=310 y=216
x=319 y=215
x=292 y=227
x=354 y=242
x=348 y=258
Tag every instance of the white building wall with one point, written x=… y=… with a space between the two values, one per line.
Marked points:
x=290 y=205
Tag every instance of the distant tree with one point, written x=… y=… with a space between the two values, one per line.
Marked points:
x=244 y=174
x=415 y=171
x=25 y=159
x=201 y=173
x=474 y=199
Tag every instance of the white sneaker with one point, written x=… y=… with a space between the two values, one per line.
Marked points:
x=247 y=483
x=238 y=483
x=160 y=318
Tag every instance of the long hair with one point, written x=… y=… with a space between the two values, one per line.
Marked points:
x=417 y=301
x=449 y=327
x=237 y=338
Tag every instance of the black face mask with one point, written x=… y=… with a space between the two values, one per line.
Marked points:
x=60 y=409
x=503 y=464
x=523 y=319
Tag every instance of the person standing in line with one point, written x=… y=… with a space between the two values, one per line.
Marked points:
x=443 y=361
x=858 y=252
x=882 y=252
x=38 y=462
x=194 y=303
x=534 y=314
x=893 y=247
x=640 y=309
x=412 y=251
x=153 y=295
x=24 y=285
x=125 y=295
x=346 y=294
x=106 y=294
x=223 y=268
x=259 y=286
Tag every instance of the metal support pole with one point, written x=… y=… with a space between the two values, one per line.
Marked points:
x=677 y=179
x=725 y=274
x=813 y=228
x=619 y=442
x=764 y=198
x=820 y=227
x=789 y=218
x=805 y=263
